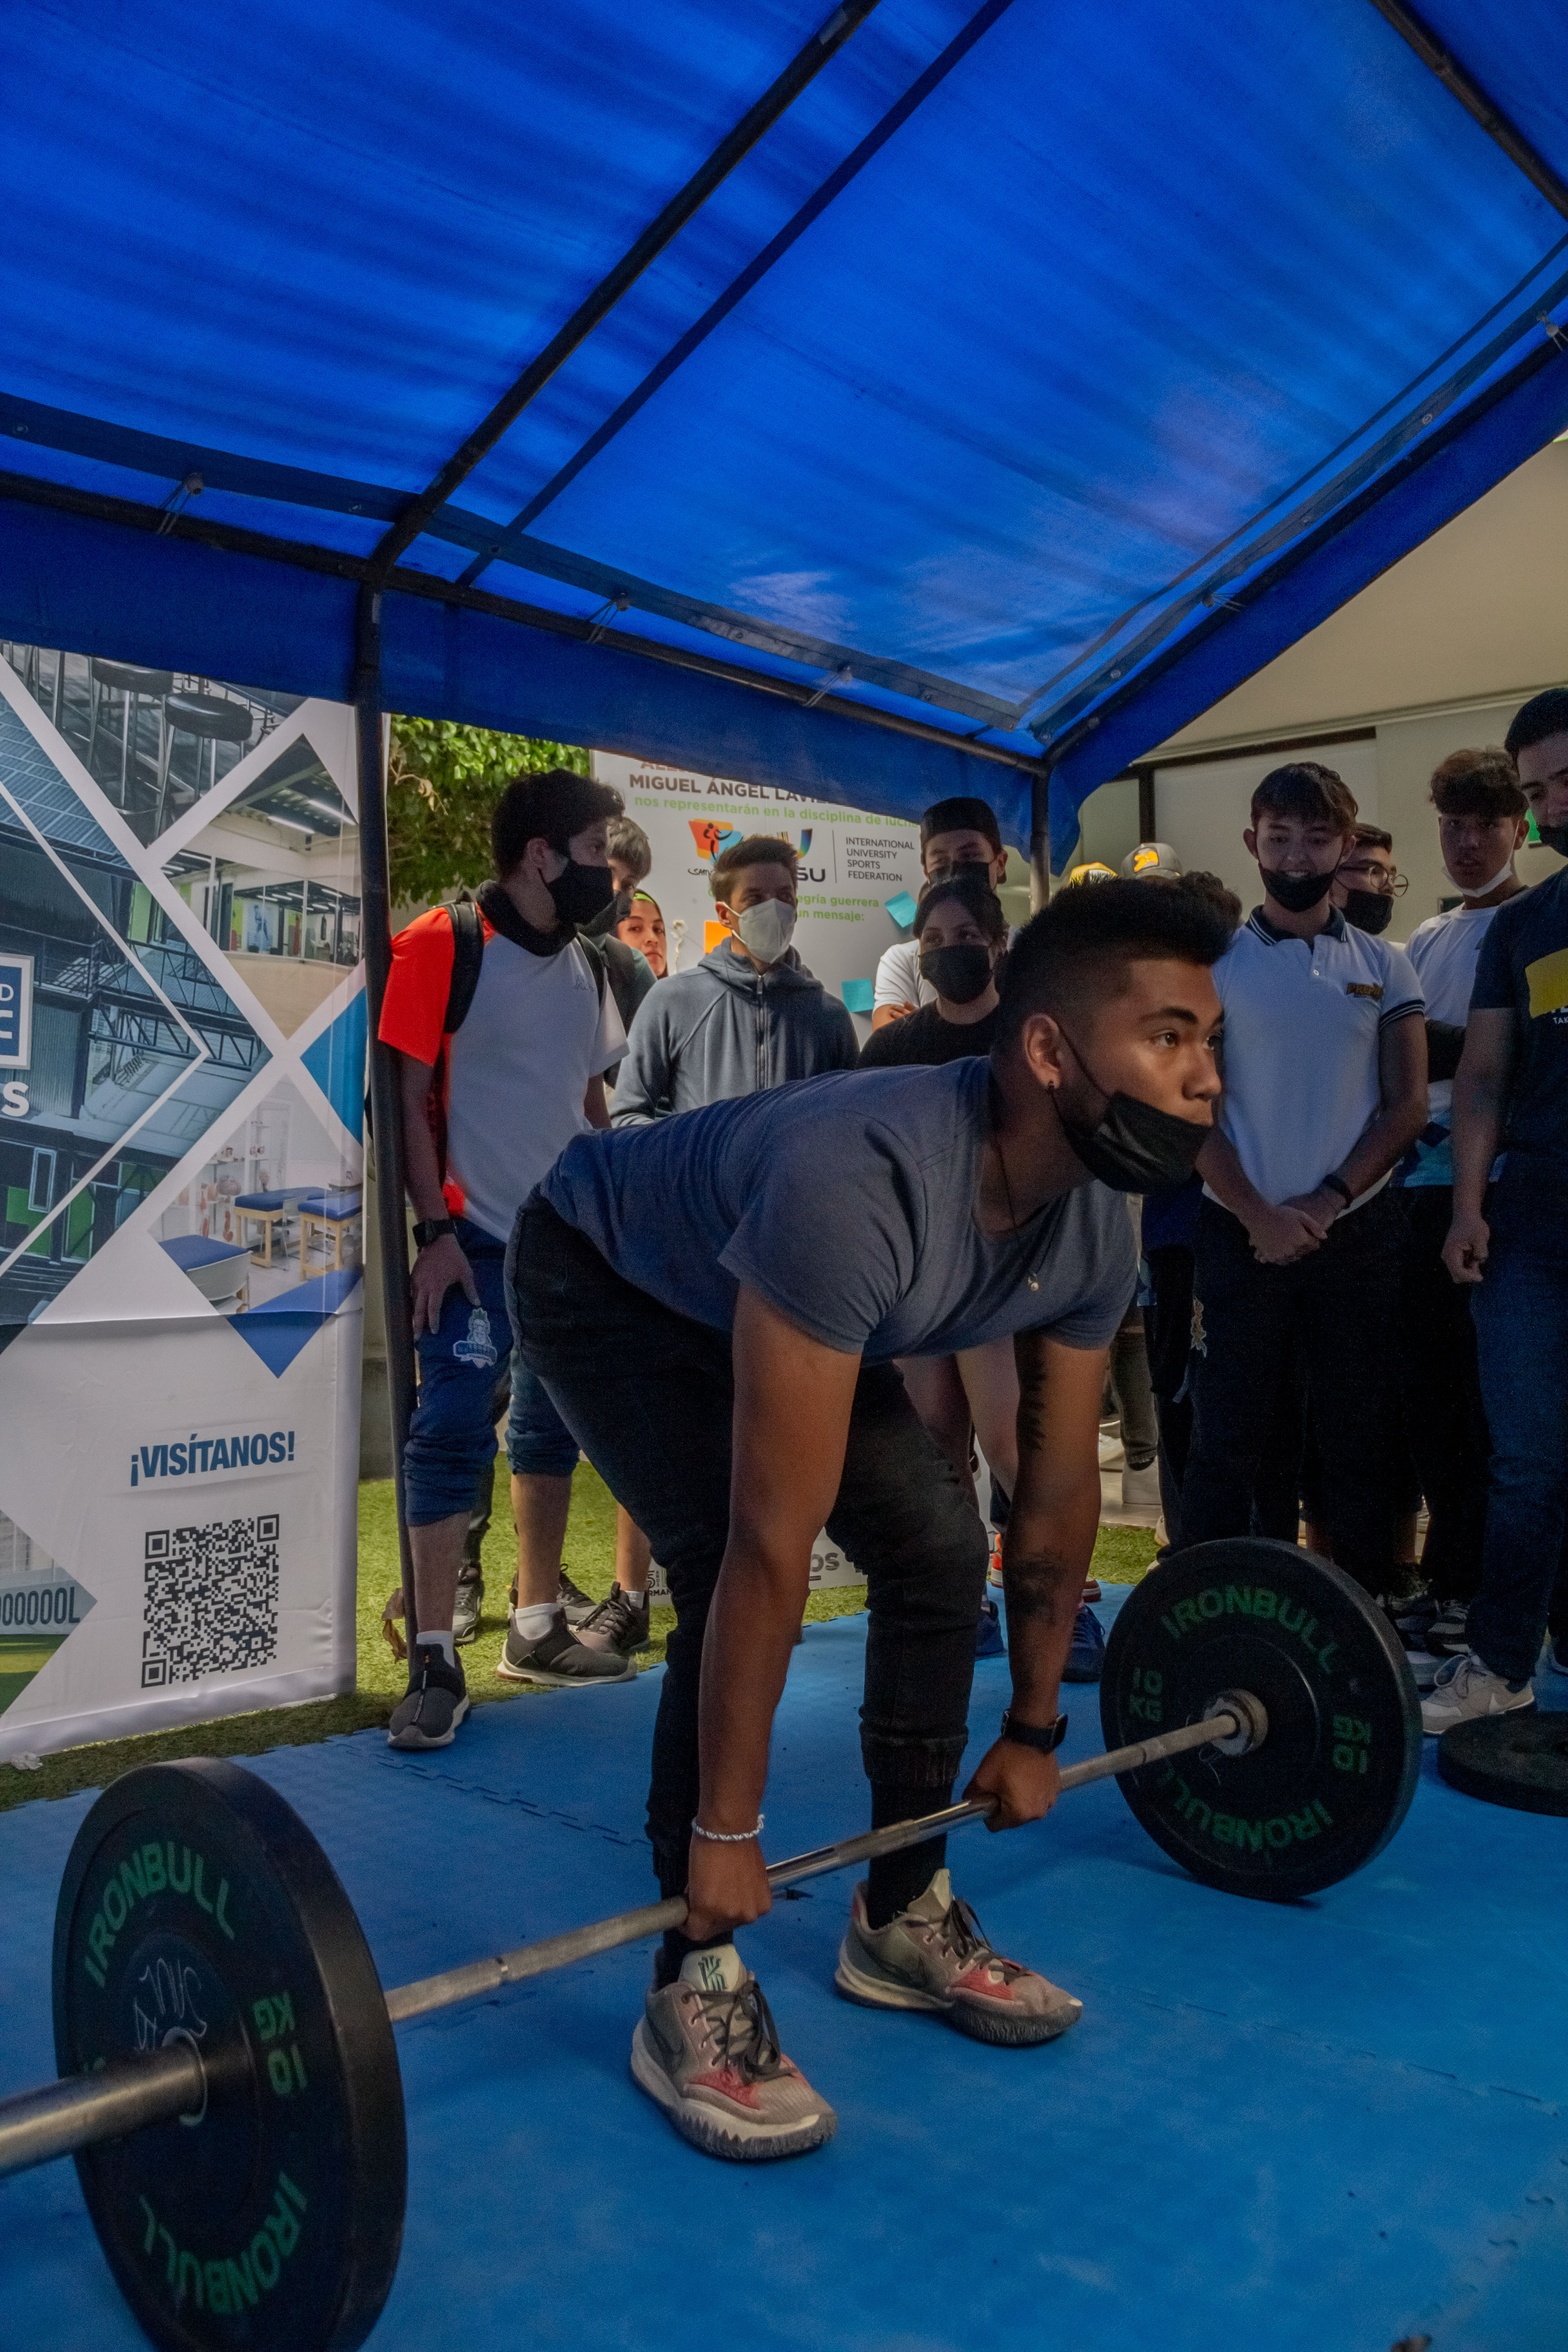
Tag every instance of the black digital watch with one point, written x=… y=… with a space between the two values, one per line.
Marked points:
x=1045 y=1739
x=430 y=1229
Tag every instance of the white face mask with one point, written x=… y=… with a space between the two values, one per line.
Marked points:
x=767 y=928
x=1482 y=887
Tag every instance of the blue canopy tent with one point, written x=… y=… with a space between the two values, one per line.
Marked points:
x=938 y=398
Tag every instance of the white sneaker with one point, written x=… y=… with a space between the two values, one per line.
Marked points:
x=1141 y=1489
x=1111 y=1456
x=1466 y=1687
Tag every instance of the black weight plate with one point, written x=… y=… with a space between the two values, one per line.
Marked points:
x=1509 y=1759
x=196 y=1904
x=1334 y=1778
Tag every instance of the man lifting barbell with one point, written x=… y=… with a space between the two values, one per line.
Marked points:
x=713 y=1304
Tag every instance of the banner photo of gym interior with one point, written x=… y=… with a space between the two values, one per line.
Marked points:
x=181 y=1157
x=784 y=1176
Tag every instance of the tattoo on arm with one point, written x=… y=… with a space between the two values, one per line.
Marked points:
x=1032 y=1424
x=1041 y=1587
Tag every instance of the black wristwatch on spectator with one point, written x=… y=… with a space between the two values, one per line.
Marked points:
x=430 y=1229
x=1044 y=1737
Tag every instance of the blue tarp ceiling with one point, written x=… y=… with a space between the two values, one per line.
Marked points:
x=1039 y=372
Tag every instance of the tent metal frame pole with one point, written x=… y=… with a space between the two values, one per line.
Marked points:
x=759 y=118
x=1475 y=101
x=30 y=489
x=385 y=1101
x=1039 y=842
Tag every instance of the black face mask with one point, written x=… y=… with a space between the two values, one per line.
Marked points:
x=958 y=973
x=603 y=925
x=581 y=892
x=1369 y=910
x=1555 y=836
x=1133 y=1147
x=1297 y=893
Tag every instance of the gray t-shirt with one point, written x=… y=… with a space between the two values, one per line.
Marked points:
x=847 y=1201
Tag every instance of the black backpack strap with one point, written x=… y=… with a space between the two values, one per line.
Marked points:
x=468 y=956
x=596 y=955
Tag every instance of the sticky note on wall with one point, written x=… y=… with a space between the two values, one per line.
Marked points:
x=901 y=908
x=859 y=994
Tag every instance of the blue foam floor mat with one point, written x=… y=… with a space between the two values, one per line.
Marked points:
x=1333 y=2126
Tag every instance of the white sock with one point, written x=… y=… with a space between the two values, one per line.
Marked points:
x=534 y=1623
x=636 y=1598
x=429 y=1639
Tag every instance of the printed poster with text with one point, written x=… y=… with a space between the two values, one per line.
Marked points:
x=182 y=1077
x=860 y=874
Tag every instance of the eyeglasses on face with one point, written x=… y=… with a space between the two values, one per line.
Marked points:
x=1387 y=880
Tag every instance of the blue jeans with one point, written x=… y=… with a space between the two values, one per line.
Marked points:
x=1521 y=1337
x=451 y=1439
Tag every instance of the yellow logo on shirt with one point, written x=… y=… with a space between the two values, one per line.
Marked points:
x=1364 y=988
x=1548 y=978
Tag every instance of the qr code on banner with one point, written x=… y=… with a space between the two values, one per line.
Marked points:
x=212 y=1600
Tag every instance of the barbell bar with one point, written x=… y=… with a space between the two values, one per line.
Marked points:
x=170 y=2082
x=229 y=2078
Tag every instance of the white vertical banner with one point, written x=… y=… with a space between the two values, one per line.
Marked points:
x=182 y=1027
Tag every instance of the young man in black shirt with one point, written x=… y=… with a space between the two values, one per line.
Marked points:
x=1511 y=1090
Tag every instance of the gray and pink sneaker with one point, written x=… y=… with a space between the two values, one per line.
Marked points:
x=708 y=2051
x=934 y=1956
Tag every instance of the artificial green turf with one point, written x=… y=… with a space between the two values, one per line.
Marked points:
x=1121 y=1556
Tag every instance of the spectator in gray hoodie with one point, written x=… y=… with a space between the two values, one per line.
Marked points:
x=749 y=1016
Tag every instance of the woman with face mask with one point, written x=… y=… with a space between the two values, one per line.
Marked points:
x=962 y=933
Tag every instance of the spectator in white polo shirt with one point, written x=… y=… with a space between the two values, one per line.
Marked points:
x=1298 y=1245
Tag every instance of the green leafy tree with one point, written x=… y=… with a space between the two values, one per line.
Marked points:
x=441 y=785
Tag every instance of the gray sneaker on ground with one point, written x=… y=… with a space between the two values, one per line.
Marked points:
x=579 y=1605
x=559 y=1660
x=1448 y=1635
x=1466 y=1687
x=435 y=1703
x=465 y=1608
x=576 y=1603
x=618 y=1624
x=935 y=1957
x=708 y=2051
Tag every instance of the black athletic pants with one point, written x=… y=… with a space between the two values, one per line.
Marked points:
x=1444 y=1421
x=649 y=1395
x=1333 y=1315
